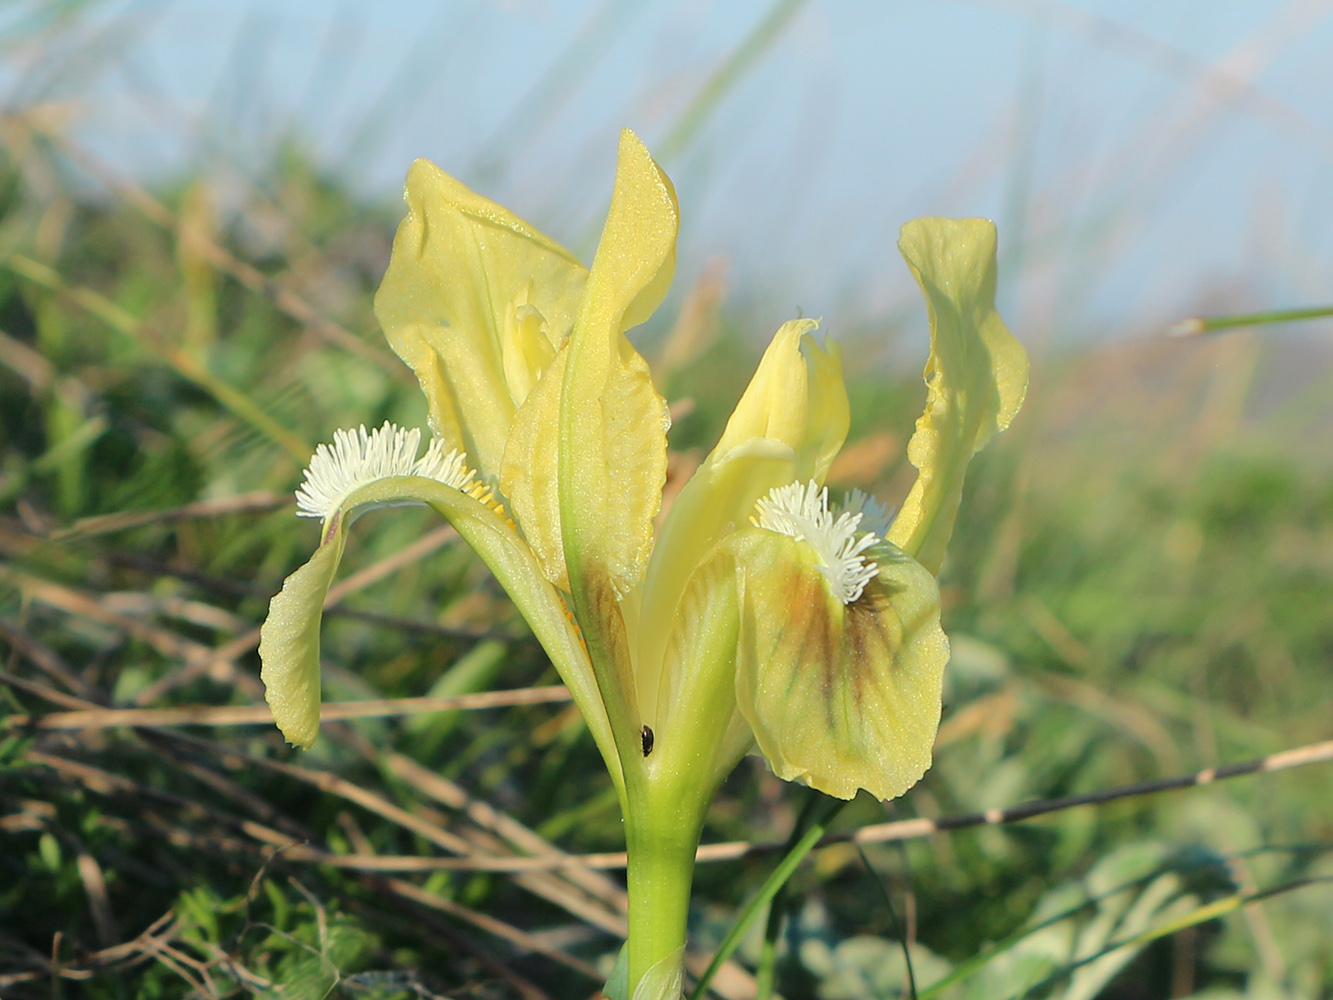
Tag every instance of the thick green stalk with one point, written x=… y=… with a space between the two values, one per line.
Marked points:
x=662 y=830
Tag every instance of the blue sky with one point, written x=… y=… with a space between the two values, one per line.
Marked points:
x=1144 y=160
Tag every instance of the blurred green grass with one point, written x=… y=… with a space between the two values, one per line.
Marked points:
x=1139 y=587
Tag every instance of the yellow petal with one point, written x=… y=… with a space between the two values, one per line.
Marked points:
x=719 y=498
x=529 y=474
x=977 y=375
x=526 y=350
x=797 y=397
x=289 y=638
x=613 y=423
x=471 y=294
x=789 y=424
x=842 y=697
x=698 y=734
x=289 y=644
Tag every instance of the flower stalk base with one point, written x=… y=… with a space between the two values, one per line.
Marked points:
x=662 y=836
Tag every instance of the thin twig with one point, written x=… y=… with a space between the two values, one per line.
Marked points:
x=879 y=833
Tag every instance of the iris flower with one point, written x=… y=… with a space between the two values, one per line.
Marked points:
x=757 y=614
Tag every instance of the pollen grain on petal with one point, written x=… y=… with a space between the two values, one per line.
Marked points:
x=801 y=511
x=357 y=457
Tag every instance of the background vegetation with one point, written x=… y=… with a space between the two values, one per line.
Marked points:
x=1139 y=588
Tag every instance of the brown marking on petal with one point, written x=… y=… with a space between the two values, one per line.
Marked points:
x=333 y=527
x=806 y=625
x=816 y=634
x=600 y=593
x=605 y=626
x=872 y=636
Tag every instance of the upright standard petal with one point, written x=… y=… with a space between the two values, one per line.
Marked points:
x=789 y=424
x=613 y=424
x=530 y=471
x=977 y=375
x=797 y=397
x=476 y=302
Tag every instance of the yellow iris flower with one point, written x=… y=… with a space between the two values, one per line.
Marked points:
x=757 y=615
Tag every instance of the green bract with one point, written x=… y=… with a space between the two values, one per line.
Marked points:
x=759 y=615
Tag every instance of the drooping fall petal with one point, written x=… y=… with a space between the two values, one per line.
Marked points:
x=842 y=696
x=289 y=644
x=476 y=302
x=976 y=375
x=289 y=638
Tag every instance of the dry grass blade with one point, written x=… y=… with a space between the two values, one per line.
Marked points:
x=429 y=828
x=389 y=565
x=253 y=715
x=499 y=928
x=104 y=782
x=217 y=255
x=141 y=949
x=43 y=657
x=99 y=903
x=219 y=664
x=200 y=660
x=185 y=365
x=489 y=818
x=245 y=503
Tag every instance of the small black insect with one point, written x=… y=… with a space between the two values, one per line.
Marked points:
x=647 y=741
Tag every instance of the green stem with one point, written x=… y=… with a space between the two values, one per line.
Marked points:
x=1205 y=324
x=661 y=836
x=797 y=849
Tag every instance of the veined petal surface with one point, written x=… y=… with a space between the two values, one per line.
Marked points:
x=976 y=376
x=719 y=498
x=613 y=423
x=796 y=396
x=476 y=302
x=530 y=471
x=840 y=696
x=697 y=728
x=789 y=424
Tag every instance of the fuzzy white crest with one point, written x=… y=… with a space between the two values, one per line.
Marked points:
x=358 y=457
x=801 y=511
